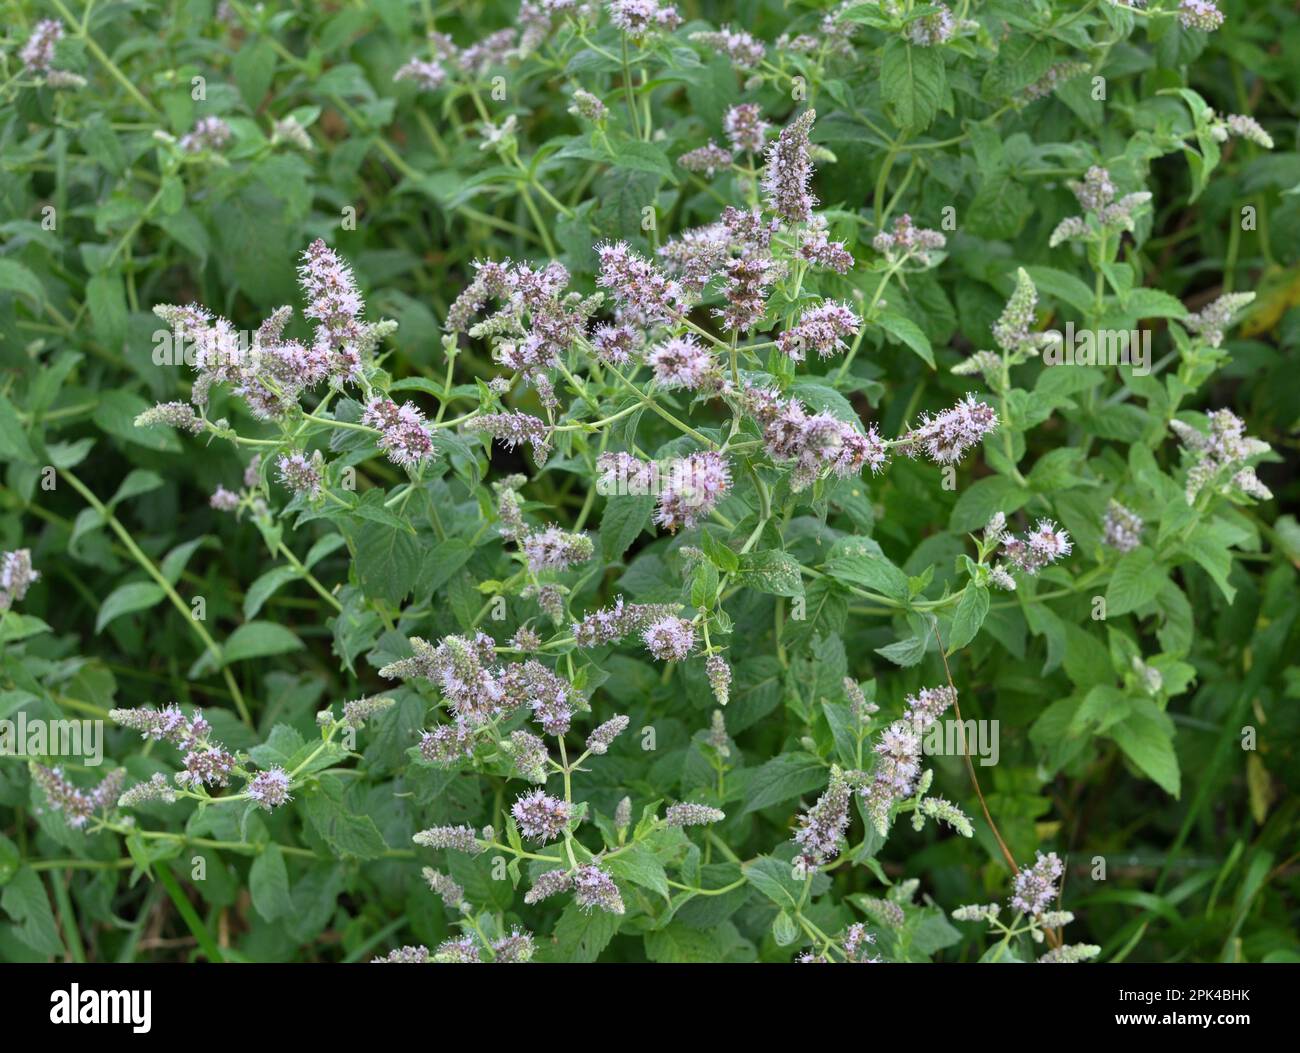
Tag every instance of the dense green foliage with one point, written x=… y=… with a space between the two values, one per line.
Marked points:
x=1141 y=686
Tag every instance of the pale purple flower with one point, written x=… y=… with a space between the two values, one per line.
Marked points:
x=638 y=286
x=493 y=50
x=550 y=697
x=821 y=828
x=946 y=436
x=1043 y=545
x=682 y=362
x=745 y=128
x=447 y=744
x=408 y=955
x=1245 y=127
x=163 y=725
x=541 y=817
x=464 y=669
x=686 y=813
x=928 y=705
x=76 y=805
x=816 y=247
x=1200 y=14
x=1096 y=191
x=403 y=431
x=705 y=159
x=861 y=709
x=208 y=765
x=511 y=429
x=548 y=884
x=744 y=293
x=744 y=50
x=602 y=737
x=816 y=443
x=300 y=473
x=1122 y=529
x=555 y=549
x=694 y=486
x=588 y=107
x=516 y=948
x=669 y=639
x=358 y=711
x=748 y=228
x=16 y=576
x=821 y=329
x=270 y=788
x=178 y=415
x=444 y=887
x=529 y=754
x=335 y=303
x=427 y=76
x=224 y=501
x=210 y=133
x=857 y=944
x=611 y=624
x=37 y=55
x=1213 y=319
x=1012 y=329
x=594 y=887
x=1058 y=74
x=616 y=344
x=907 y=239
x=1226 y=447
x=156 y=789
x=636 y=18
x=1036 y=886
x=931 y=30
x=789 y=171
x=463 y=950
x=719 y=675
x=457 y=838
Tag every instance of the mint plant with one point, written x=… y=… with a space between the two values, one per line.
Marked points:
x=591 y=482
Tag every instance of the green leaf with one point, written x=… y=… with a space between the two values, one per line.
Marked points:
x=1135 y=582
x=388 y=561
x=775 y=879
x=784 y=930
x=579 y=935
x=981 y=499
x=347 y=832
x=969 y=616
x=134 y=596
x=264 y=588
x=1062 y=286
x=639 y=866
x=259 y=640
x=782 y=778
x=680 y=943
x=859 y=561
x=905 y=652
x=912 y=83
x=1208 y=546
x=25 y=901
x=139 y=481
x=268 y=884
x=907 y=331
x=771 y=571
x=14 y=444
x=17 y=278
x=622 y=523
x=1147 y=738
x=254 y=68
x=106 y=298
